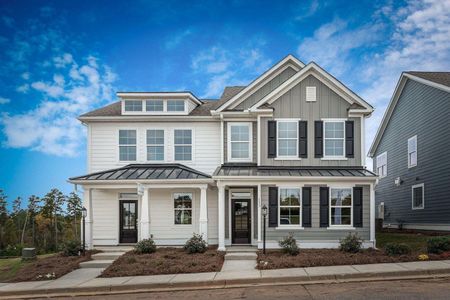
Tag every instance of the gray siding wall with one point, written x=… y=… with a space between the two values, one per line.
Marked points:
x=423 y=111
x=315 y=232
x=328 y=105
x=225 y=141
x=266 y=89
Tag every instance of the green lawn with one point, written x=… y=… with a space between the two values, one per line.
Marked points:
x=10 y=266
x=417 y=242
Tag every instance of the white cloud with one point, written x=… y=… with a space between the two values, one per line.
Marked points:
x=26 y=75
x=24 y=88
x=63 y=60
x=4 y=100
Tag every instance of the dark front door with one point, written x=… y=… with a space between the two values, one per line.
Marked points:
x=128 y=221
x=241 y=225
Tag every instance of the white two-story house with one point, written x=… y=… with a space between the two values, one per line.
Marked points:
x=167 y=165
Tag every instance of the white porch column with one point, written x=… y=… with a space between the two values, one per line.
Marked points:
x=145 y=218
x=259 y=213
x=221 y=218
x=87 y=203
x=203 y=221
x=372 y=214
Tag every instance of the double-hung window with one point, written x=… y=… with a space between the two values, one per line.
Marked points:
x=183 y=144
x=175 y=105
x=287 y=138
x=133 y=105
x=127 y=145
x=382 y=165
x=412 y=152
x=418 y=196
x=289 y=207
x=154 y=105
x=239 y=142
x=334 y=139
x=341 y=210
x=155 y=144
x=183 y=208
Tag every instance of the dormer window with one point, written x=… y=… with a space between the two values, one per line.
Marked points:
x=175 y=105
x=154 y=105
x=133 y=105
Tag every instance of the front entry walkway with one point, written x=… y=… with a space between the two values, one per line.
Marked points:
x=239 y=259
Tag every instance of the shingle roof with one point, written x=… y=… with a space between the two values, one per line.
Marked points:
x=437 y=77
x=145 y=171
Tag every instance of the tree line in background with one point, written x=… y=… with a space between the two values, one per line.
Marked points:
x=46 y=223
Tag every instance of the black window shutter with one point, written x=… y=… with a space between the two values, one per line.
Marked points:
x=358 y=207
x=303 y=139
x=324 y=210
x=349 y=139
x=318 y=139
x=272 y=139
x=306 y=207
x=273 y=206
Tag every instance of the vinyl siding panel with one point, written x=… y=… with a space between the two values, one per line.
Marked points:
x=423 y=111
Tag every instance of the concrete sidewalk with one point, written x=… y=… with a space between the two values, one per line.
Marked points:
x=70 y=286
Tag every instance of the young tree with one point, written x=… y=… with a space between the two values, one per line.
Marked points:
x=3 y=218
x=17 y=203
x=74 y=209
x=52 y=206
x=31 y=213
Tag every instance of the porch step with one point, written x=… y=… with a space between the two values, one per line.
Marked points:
x=104 y=263
x=240 y=256
x=107 y=255
x=114 y=248
x=234 y=249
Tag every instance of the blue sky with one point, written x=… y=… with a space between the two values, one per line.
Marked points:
x=63 y=58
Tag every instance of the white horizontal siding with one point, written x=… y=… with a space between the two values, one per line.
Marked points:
x=104 y=144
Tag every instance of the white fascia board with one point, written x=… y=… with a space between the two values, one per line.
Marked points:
x=294 y=63
x=124 y=95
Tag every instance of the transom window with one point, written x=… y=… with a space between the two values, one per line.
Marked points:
x=133 y=105
x=183 y=144
x=418 y=196
x=127 y=145
x=287 y=138
x=382 y=164
x=289 y=206
x=239 y=141
x=154 y=105
x=155 y=144
x=412 y=152
x=183 y=208
x=175 y=105
x=341 y=206
x=334 y=138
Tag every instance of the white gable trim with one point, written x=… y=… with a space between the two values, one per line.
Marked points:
x=320 y=74
x=289 y=60
x=427 y=82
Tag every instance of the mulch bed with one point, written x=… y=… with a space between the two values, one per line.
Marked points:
x=165 y=261
x=276 y=259
x=57 y=264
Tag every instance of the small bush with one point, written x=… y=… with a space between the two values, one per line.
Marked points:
x=195 y=244
x=393 y=249
x=145 y=246
x=12 y=250
x=289 y=245
x=71 y=248
x=438 y=245
x=351 y=243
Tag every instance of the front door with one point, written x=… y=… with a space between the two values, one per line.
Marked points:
x=241 y=225
x=128 y=221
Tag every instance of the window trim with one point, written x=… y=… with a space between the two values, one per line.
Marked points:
x=250 y=142
x=289 y=226
x=174 y=145
x=287 y=157
x=118 y=145
x=163 y=145
x=380 y=176
x=191 y=209
x=420 y=185
x=417 y=157
x=328 y=157
x=342 y=226
x=315 y=93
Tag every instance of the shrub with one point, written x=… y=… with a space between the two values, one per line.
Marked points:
x=289 y=245
x=145 y=246
x=392 y=249
x=195 y=244
x=351 y=243
x=71 y=248
x=438 y=245
x=12 y=250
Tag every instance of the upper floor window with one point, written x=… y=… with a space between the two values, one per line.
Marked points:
x=183 y=208
x=382 y=164
x=127 y=145
x=155 y=145
x=287 y=138
x=239 y=142
x=154 y=105
x=310 y=93
x=412 y=152
x=183 y=144
x=175 y=105
x=334 y=138
x=418 y=196
x=341 y=210
x=133 y=105
x=289 y=206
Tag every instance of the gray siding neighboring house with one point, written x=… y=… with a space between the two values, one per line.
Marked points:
x=420 y=107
